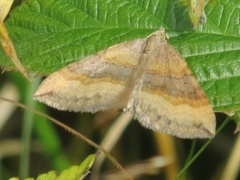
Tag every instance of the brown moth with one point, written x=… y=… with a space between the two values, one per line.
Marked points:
x=145 y=76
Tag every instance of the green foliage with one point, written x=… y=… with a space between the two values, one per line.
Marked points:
x=72 y=173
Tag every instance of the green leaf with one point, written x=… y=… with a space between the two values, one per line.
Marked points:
x=72 y=173
x=51 y=175
x=78 y=172
x=50 y=34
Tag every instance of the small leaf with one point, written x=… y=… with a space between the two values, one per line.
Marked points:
x=51 y=175
x=78 y=172
x=196 y=12
x=5 y=40
x=72 y=173
x=9 y=49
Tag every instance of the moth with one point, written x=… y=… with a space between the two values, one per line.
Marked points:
x=145 y=76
